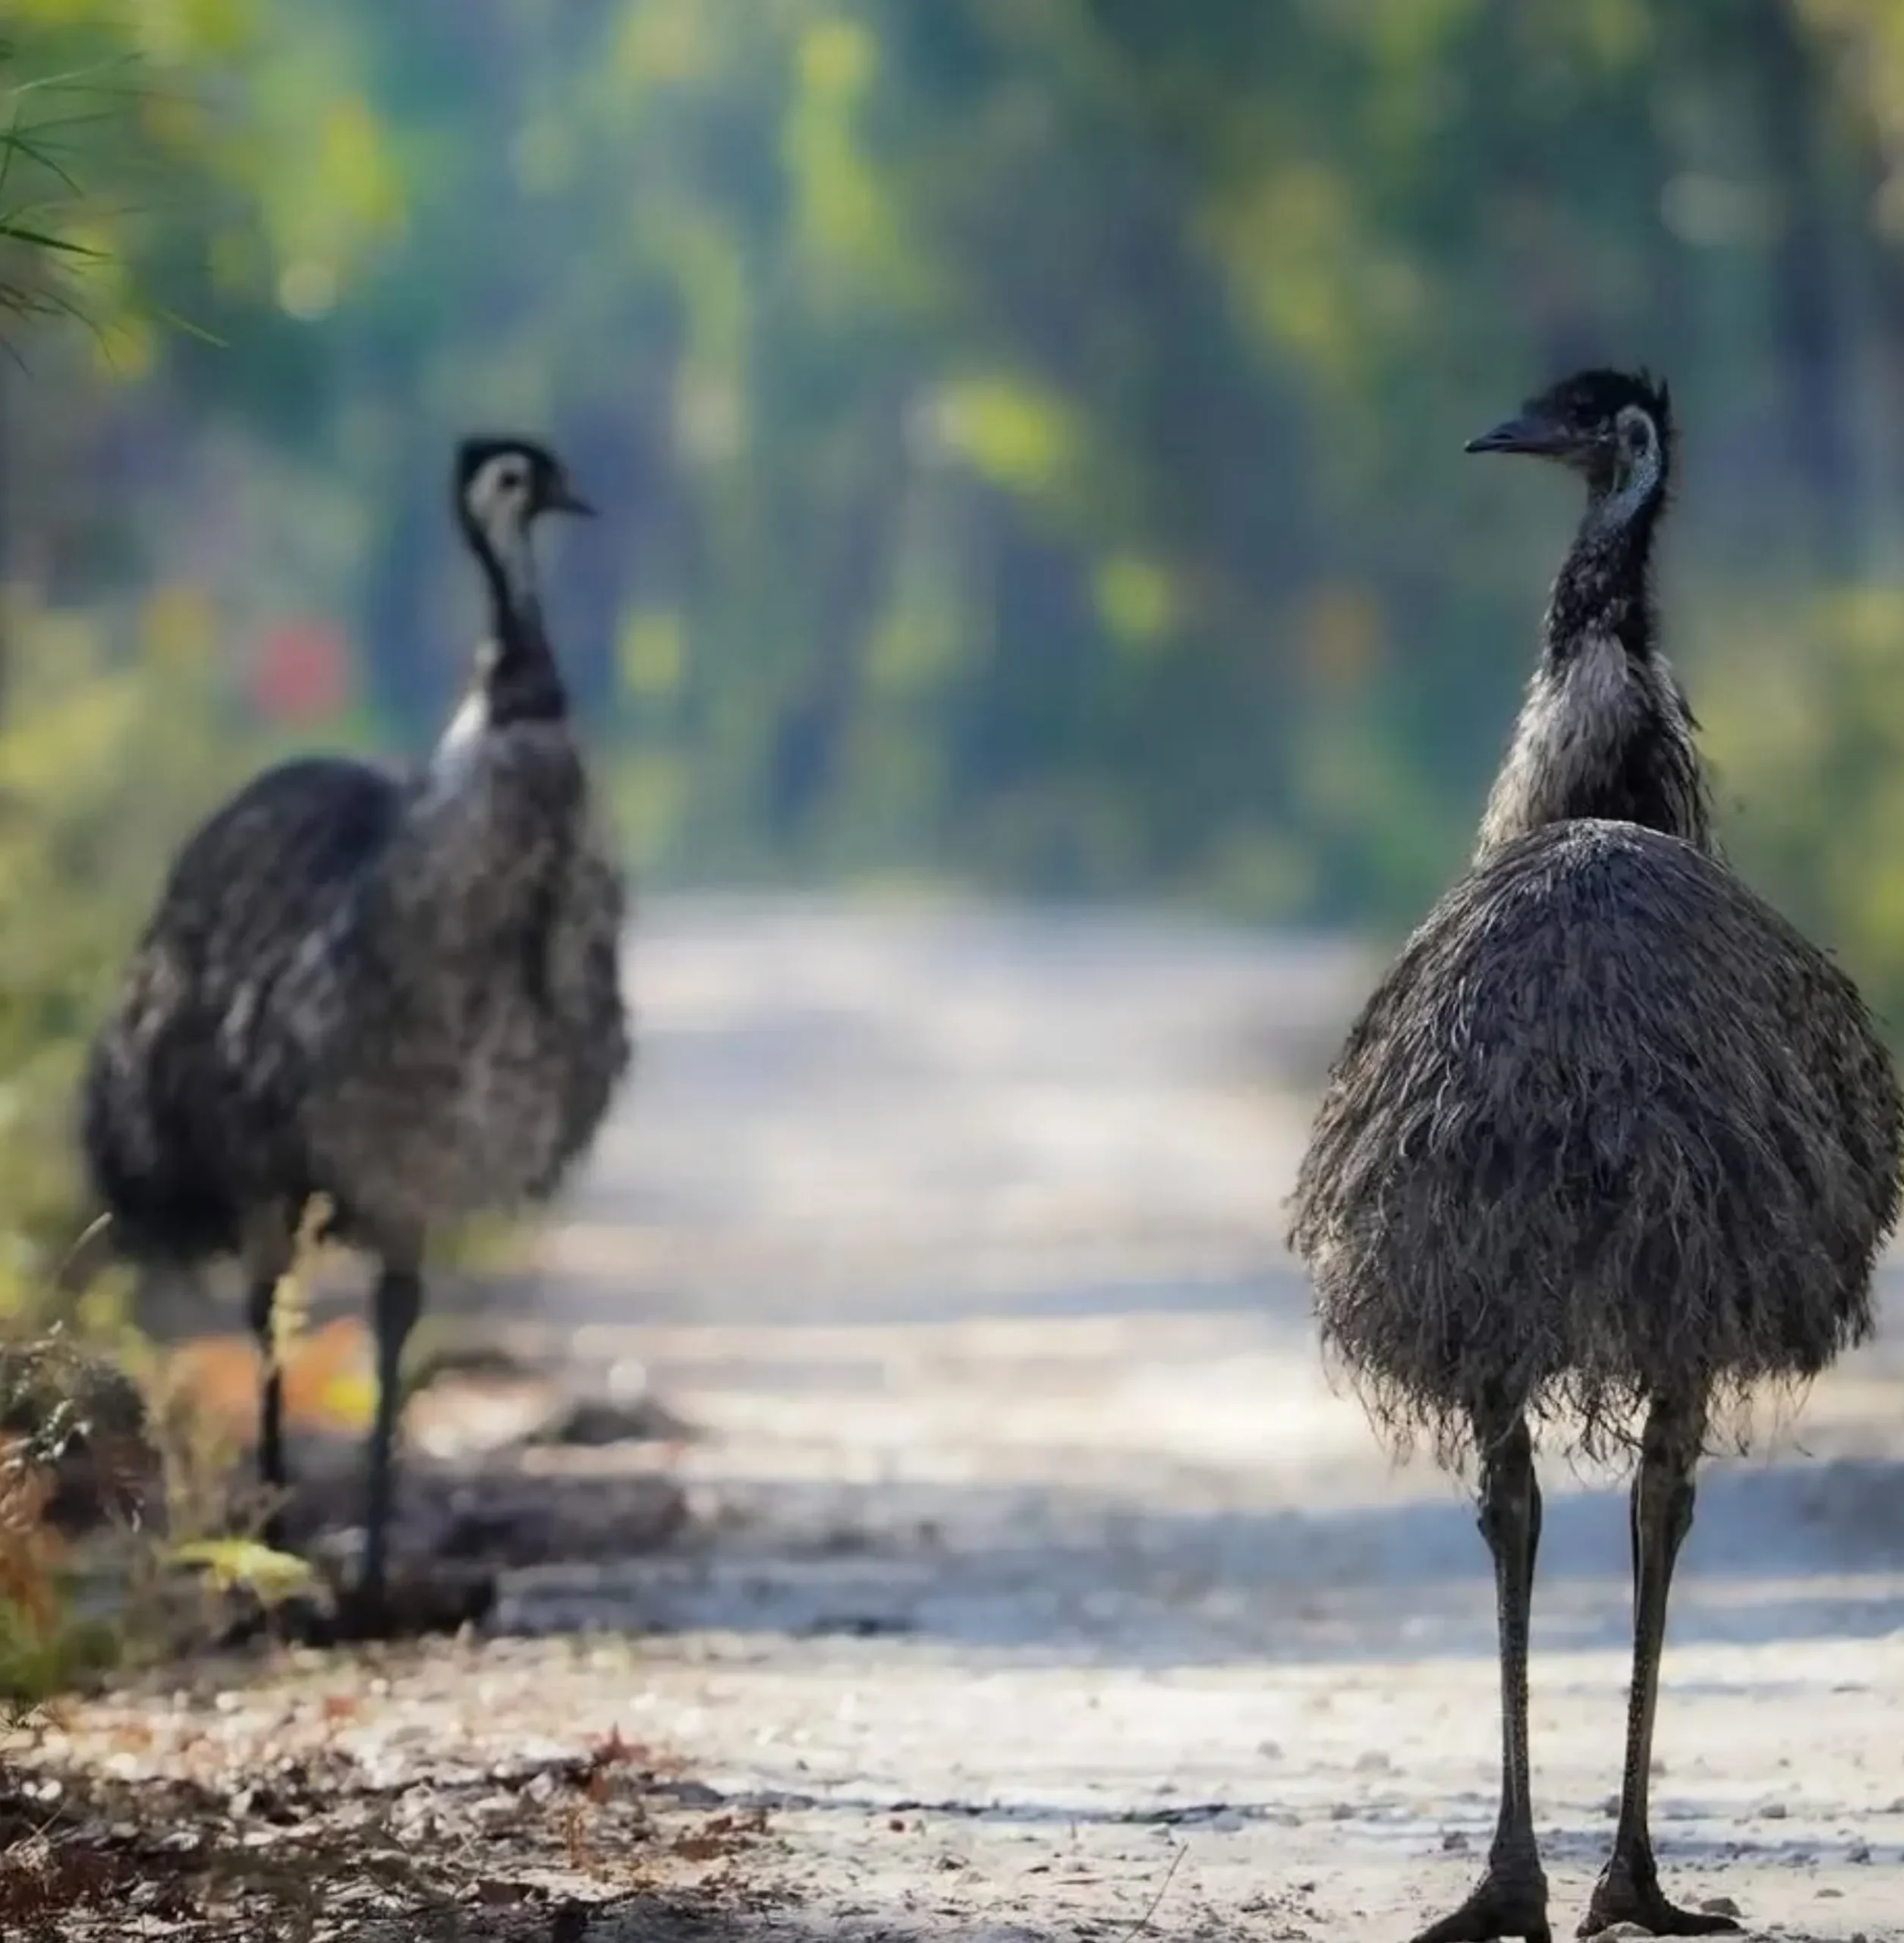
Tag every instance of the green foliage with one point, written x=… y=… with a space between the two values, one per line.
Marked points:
x=98 y=131
x=1031 y=432
x=107 y=703
x=45 y=1653
x=85 y=1459
x=1037 y=429
x=101 y=759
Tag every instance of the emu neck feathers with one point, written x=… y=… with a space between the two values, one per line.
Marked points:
x=516 y=677
x=1605 y=730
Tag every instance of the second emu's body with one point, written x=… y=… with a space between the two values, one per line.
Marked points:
x=1610 y=1137
x=401 y=994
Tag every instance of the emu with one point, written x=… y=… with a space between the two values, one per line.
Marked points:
x=1610 y=1142
x=400 y=994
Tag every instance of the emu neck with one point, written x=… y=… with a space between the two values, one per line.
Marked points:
x=1604 y=591
x=517 y=679
x=1605 y=730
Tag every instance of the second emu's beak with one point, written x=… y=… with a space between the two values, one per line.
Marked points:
x=563 y=498
x=1527 y=432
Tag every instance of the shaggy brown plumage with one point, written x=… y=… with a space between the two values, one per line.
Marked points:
x=399 y=996
x=1610 y=1125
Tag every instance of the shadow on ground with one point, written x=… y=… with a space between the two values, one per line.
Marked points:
x=1778 y=1552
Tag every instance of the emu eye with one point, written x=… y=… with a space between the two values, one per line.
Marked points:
x=511 y=478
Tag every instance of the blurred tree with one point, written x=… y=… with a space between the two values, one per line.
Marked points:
x=1031 y=428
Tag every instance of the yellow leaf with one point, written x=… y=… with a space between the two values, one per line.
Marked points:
x=271 y=1574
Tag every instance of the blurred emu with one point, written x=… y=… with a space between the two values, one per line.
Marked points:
x=402 y=996
x=1611 y=1142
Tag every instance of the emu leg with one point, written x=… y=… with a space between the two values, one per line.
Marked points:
x=398 y=1299
x=1512 y=1898
x=1661 y=1513
x=260 y=1299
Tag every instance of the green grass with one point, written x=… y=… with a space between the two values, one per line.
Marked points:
x=41 y=198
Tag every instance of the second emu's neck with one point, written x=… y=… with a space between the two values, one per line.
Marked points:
x=1605 y=730
x=518 y=680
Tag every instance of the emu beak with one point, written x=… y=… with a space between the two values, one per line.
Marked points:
x=565 y=498
x=1524 y=432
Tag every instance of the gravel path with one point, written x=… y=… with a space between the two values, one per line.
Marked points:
x=1038 y=1586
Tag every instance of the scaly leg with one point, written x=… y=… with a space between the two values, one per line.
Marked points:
x=1628 y=1889
x=397 y=1301
x=1512 y=1898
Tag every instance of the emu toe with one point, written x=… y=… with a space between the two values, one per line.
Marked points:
x=1628 y=1891
x=1504 y=1904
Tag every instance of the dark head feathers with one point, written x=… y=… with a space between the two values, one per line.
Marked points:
x=1579 y=418
x=491 y=470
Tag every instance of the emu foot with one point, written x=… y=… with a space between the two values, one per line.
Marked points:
x=411 y=1607
x=1628 y=1891
x=1508 y=1902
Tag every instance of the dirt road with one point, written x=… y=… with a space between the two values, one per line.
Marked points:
x=1043 y=1590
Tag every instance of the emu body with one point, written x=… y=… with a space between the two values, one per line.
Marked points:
x=1610 y=1139
x=1544 y=1180
x=401 y=993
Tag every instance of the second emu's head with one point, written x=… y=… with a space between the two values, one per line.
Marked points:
x=502 y=485
x=1614 y=428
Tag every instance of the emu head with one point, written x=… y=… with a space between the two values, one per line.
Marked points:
x=1614 y=428
x=504 y=485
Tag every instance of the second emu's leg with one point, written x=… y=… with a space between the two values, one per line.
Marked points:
x=266 y=1257
x=398 y=1301
x=1628 y=1889
x=1512 y=1898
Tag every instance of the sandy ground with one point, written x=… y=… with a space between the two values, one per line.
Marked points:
x=1039 y=1588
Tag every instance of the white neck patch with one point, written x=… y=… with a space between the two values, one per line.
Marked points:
x=498 y=498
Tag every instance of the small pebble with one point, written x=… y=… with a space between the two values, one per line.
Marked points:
x=1858 y=1851
x=1774 y=1811
x=1454 y=1842
x=1718 y=1905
